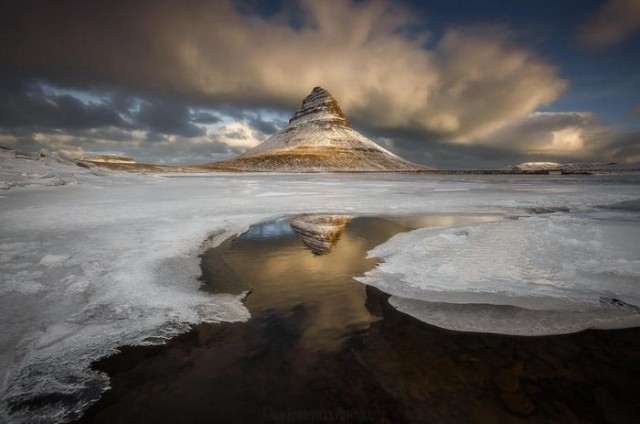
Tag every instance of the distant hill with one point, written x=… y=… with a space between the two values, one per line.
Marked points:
x=108 y=159
x=572 y=168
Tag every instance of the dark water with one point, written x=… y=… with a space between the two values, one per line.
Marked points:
x=321 y=347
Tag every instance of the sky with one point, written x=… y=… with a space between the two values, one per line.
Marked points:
x=445 y=83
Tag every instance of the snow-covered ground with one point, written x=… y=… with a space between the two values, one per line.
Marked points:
x=108 y=259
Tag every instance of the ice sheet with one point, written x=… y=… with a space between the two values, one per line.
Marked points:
x=512 y=320
x=562 y=272
x=112 y=259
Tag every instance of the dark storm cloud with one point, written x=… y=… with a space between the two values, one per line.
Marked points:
x=432 y=152
x=122 y=102
x=470 y=157
x=35 y=116
x=204 y=118
x=263 y=125
x=25 y=104
x=167 y=117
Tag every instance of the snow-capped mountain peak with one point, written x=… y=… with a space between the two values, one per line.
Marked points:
x=318 y=138
x=320 y=106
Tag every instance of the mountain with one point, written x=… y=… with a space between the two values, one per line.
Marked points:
x=318 y=138
x=319 y=233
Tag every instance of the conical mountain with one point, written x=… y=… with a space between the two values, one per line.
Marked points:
x=319 y=138
x=319 y=233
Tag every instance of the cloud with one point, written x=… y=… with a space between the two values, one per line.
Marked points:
x=157 y=130
x=451 y=156
x=564 y=137
x=196 y=81
x=175 y=150
x=239 y=135
x=369 y=54
x=263 y=125
x=204 y=118
x=167 y=117
x=541 y=136
x=622 y=146
x=615 y=22
x=25 y=104
x=34 y=116
x=557 y=133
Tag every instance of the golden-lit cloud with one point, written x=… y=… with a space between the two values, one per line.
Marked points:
x=560 y=133
x=368 y=54
x=567 y=139
x=564 y=136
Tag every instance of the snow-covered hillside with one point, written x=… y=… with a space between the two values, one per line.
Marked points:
x=109 y=159
x=536 y=166
x=112 y=259
x=318 y=138
x=19 y=169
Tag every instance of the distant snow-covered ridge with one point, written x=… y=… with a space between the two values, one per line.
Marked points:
x=534 y=166
x=18 y=169
x=573 y=167
x=108 y=159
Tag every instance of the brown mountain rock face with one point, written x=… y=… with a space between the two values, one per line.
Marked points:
x=318 y=138
x=318 y=105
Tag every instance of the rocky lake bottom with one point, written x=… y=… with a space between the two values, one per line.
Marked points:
x=322 y=347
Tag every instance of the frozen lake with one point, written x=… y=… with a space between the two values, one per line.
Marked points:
x=104 y=261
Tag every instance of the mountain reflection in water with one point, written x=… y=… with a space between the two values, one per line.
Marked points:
x=286 y=275
x=320 y=233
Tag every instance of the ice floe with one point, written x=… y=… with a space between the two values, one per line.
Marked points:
x=535 y=275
